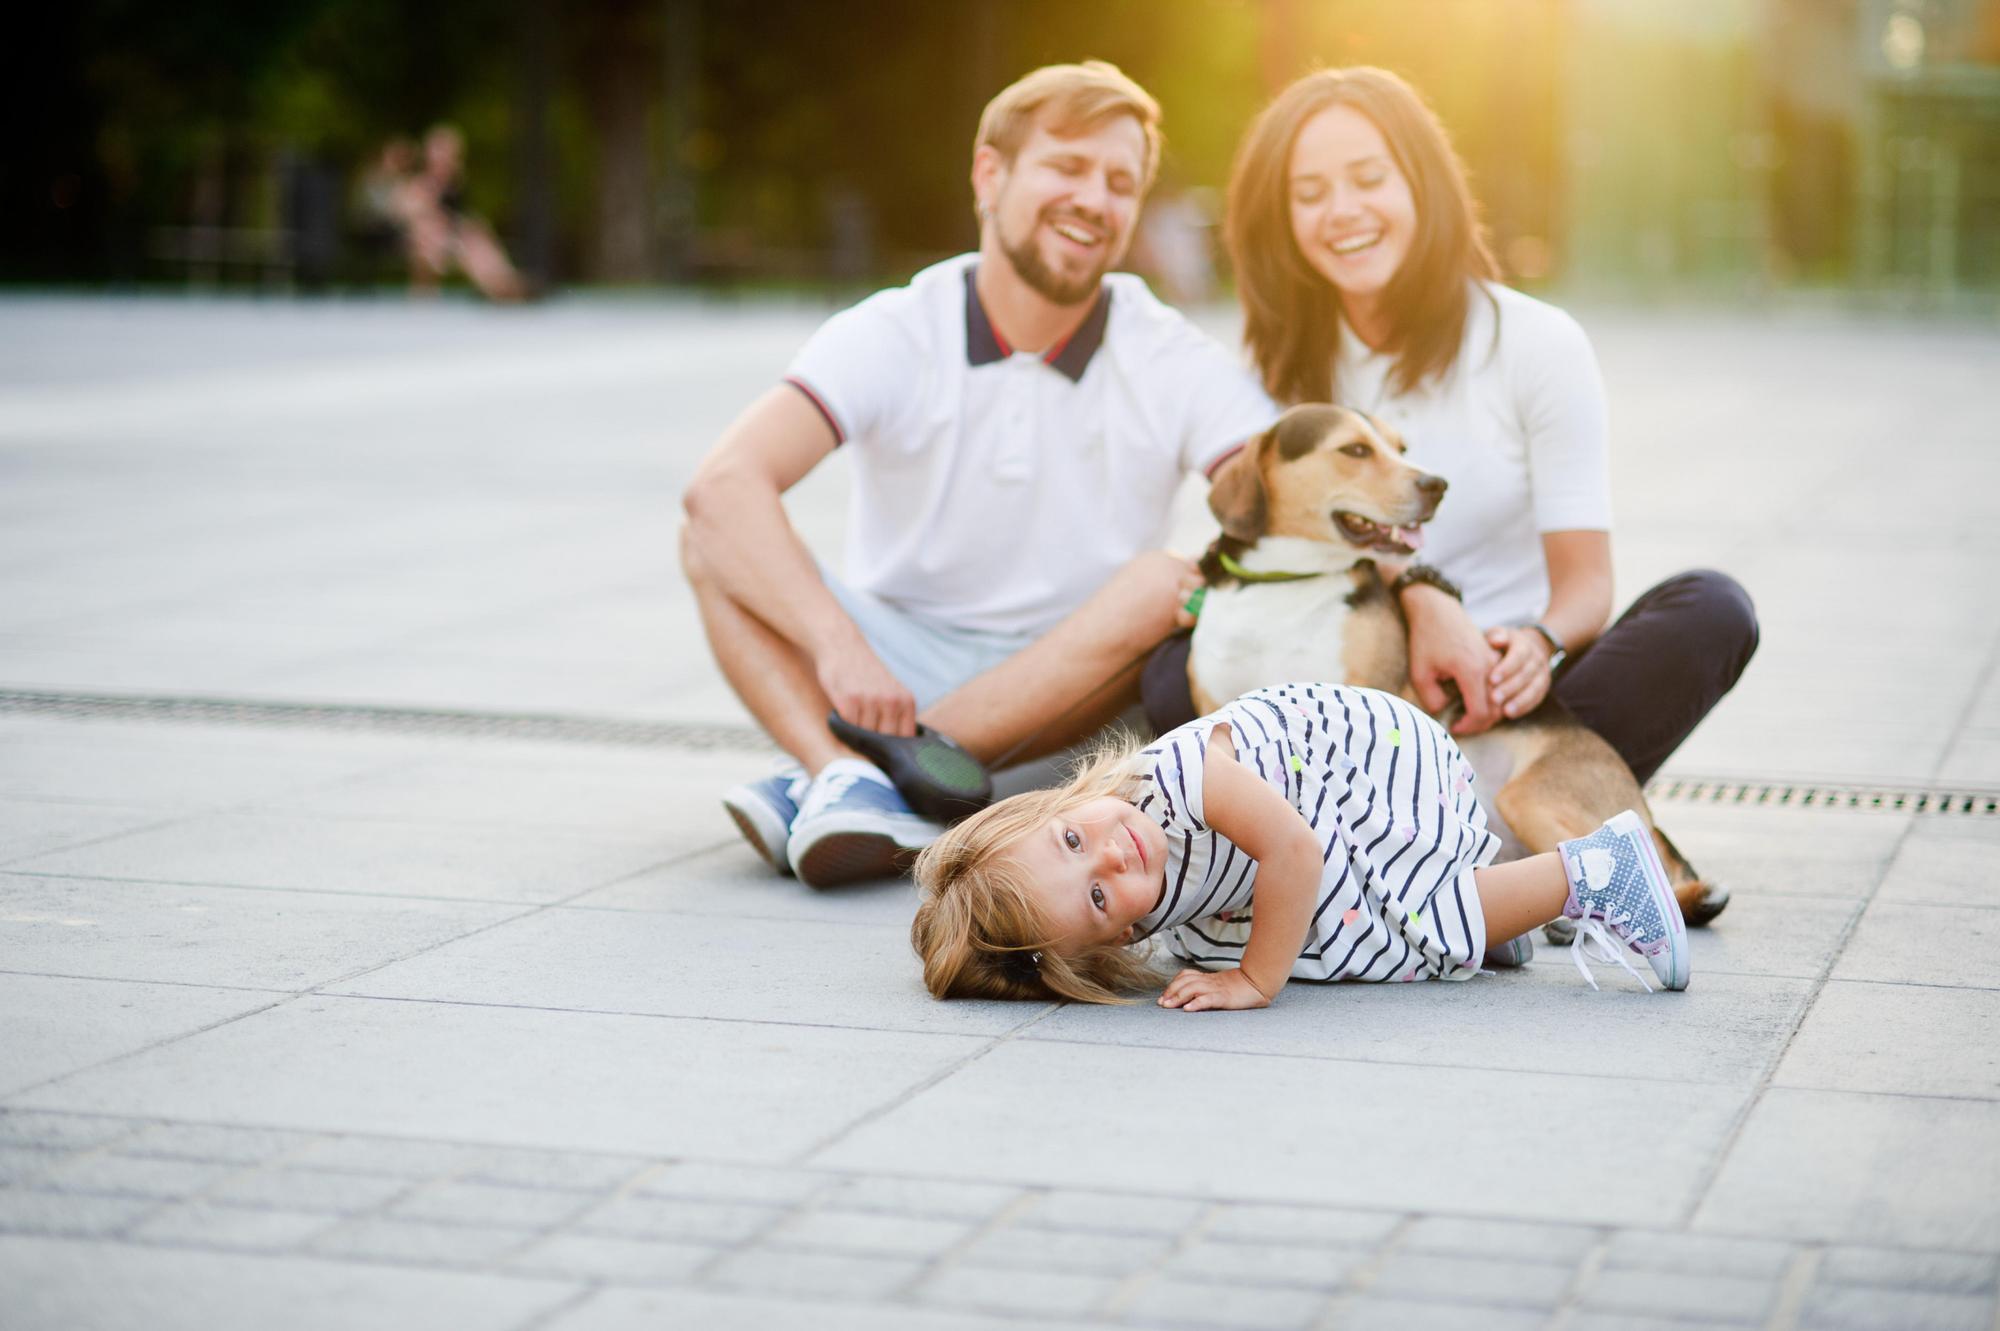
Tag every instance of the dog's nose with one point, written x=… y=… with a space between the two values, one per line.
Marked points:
x=1433 y=487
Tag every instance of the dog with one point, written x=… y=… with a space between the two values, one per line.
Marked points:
x=1294 y=592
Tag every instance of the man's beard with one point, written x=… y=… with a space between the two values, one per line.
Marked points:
x=1046 y=281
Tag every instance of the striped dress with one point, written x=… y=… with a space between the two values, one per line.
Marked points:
x=1390 y=797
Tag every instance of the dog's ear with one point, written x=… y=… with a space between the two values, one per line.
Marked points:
x=1236 y=495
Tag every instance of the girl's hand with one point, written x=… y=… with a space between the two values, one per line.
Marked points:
x=1521 y=680
x=1202 y=991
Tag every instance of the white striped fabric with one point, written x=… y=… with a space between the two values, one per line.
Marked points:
x=1390 y=796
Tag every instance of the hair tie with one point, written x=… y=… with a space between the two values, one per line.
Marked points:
x=1023 y=966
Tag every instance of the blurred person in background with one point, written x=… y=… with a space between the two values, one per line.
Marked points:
x=440 y=232
x=1018 y=420
x=1365 y=280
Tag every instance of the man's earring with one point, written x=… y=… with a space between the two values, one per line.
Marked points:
x=985 y=212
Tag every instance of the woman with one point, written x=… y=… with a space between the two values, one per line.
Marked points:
x=1365 y=281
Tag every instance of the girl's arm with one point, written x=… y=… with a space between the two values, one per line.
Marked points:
x=1239 y=805
x=1579 y=606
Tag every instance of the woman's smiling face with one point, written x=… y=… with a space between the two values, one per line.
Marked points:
x=1354 y=217
x=1096 y=871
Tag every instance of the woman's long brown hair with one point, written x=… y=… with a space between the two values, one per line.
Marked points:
x=1291 y=312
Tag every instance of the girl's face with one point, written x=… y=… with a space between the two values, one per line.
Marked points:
x=1097 y=870
x=1353 y=215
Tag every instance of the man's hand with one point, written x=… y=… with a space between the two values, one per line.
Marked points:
x=1521 y=680
x=1446 y=645
x=864 y=692
x=1165 y=581
x=1205 y=991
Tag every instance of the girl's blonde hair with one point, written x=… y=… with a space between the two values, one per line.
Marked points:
x=979 y=930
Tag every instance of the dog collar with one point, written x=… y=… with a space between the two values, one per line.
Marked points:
x=1242 y=574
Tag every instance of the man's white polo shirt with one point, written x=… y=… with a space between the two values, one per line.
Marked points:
x=994 y=489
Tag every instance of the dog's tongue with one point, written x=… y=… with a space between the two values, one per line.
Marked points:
x=1410 y=536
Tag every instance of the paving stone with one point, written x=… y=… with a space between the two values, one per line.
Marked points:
x=734 y=1183
x=1697 y=1254
x=1066 y=1250
x=260 y=850
x=527 y=1077
x=1058 y=1293
x=1630 y=1321
x=490 y=1203
x=400 y=1156
x=22 y=1164
x=64 y=1132
x=621 y=1261
x=1191 y=1303
x=61 y=1285
x=1298 y=1224
x=1266 y=1263
x=1527 y=1241
x=205 y=1141
x=320 y=1190
x=1111 y=1212
x=953 y=1201
x=411 y=1243
x=84 y=1215
x=57 y=1026
x=1714 y=1298
x=735 y=1310
x=1947 y=945
x=1492 y=1281
x=1901 y=1039
x=1867 y=1308
x=871 y=1232
x=1373 y=1313
x=840 y=1275
x=138 y=1176
x=256 y=1229
x=1726 y=1030
x=1013 y=1114
x=678 y=1218
x=1940 y=1272
x=234 y=937
x=34 y=827
x=1906 y=1171
x=832 y=974
x=1942 y=870
x=577 y=1170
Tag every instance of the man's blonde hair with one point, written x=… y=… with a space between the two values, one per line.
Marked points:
x=979 y=929
x=1068 y=100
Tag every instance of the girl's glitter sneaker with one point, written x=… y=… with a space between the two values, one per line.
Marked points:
x=1621 y=900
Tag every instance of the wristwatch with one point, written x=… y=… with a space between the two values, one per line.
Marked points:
x=1557 y=652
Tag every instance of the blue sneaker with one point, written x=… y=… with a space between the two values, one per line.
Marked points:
x=765 y=811
x=1513 y=954
x=853 y=825
x=1621 y=900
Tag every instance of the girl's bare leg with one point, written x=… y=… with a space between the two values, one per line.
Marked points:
x=1520 y=895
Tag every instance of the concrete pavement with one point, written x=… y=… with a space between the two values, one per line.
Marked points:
x=373 y=950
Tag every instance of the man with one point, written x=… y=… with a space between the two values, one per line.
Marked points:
x=1017 y=423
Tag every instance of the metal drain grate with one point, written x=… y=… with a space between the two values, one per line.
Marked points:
x=383 y=720
x=1797 y=794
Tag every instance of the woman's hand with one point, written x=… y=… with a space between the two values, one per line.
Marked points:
x=1205 y=991
x=1446 y=646
x=1521 y=680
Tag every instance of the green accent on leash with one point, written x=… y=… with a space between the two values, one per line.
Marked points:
x=951 y=767
x=1195 y=600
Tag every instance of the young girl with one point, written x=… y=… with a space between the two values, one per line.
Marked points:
x=1344 y=816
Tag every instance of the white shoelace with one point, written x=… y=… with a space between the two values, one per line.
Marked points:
x=1605 y=947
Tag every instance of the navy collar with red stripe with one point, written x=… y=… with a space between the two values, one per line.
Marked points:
x=984 y=345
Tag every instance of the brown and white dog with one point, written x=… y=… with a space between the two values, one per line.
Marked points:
x=1294 y=594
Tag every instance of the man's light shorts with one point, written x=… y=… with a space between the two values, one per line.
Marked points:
x=931 y=659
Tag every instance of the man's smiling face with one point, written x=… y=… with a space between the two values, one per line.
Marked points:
x=1063 y=211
